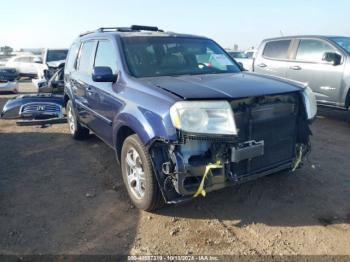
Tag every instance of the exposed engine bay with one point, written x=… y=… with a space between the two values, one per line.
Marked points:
x=271 y=137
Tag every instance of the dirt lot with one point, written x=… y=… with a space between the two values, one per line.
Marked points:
x=60 y=196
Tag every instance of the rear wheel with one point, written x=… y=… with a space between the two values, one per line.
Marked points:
x=77 y=131
x=138 y=175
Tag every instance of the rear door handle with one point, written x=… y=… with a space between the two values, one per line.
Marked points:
x=262 y=65
x=295 y=67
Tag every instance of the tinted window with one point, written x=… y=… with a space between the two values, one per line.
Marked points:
x=249 y=54
x=105 y=55
x=70 y=66
x=237 y=54
x=19 y=59
x=56 y=55
x=344 y=42
x=311 y=50
x=30 y=59
x=277 y=49
x=168 y=56
x=86 y=57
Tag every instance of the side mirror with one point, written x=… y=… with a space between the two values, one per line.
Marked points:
x=37 y=60
x=103 y=74
x=333 y=58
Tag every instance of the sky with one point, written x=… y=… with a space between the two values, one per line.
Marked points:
x=55 y=24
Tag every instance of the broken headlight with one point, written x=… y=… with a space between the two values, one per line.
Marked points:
x=310 y=103
x=204 y=117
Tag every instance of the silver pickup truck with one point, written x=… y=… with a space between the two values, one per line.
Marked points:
x=321 y=62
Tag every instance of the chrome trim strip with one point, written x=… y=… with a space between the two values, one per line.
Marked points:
x=109 y=122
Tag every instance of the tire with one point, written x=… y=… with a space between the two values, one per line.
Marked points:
x=138 y=175
x=77 y=131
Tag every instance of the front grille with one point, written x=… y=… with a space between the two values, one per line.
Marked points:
x=40 y=109
x=272 y=119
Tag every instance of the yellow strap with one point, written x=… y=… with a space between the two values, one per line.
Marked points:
x=298 y=161
x=200 y=190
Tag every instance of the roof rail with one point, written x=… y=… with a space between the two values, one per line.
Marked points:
x=124 y=29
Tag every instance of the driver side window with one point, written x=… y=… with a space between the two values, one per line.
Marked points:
x=312 y=50
x=105 y=55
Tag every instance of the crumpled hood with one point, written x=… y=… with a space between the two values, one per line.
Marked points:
x=221 y=86
x=56 y=64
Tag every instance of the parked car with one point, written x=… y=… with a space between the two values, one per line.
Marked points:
x=321 y=62
x=180 y=114
x=242 y=58
x=8 y=80
x=26 y=65
x=52 y=81
x=51 y=60
x=250 y=53
x=53 y=55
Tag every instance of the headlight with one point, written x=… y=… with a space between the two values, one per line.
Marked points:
x=310 y=103
x=206 y=117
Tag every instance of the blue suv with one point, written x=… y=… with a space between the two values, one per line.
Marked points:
x=182 y=116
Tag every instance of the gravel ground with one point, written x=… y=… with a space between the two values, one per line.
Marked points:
x=60 y=196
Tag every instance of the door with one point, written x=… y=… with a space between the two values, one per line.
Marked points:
x=81 y=84
x=105 y=100
x=273 y=58
x=324 y=78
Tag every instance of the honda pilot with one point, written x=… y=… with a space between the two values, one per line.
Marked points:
x=180 y=114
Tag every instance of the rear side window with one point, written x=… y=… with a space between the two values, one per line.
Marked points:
x=72 y=56
x=86 y=59
x=312 y=50
x=277 y=49
x=106 y=55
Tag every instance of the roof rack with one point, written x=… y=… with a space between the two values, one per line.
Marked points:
x=133 y=28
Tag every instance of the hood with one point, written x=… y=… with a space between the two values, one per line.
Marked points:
x=221 y=86
x=56 y=64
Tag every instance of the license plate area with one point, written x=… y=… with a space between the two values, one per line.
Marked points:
x=247 y=150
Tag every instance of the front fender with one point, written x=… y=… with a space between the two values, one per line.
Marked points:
x=146 y=124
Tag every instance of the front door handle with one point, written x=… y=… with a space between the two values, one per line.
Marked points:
x=295 y=67
x=89 y=91
x=262 y=65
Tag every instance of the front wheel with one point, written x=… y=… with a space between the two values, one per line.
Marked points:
x=138 y=175
x=77 y=131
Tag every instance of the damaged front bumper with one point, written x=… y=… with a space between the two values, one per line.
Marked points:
x=36 y=109
x=273 y=136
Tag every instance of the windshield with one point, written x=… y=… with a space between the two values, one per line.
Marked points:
x=344 y=42
x=237 y=54
x=172 y=56
x=56 y=55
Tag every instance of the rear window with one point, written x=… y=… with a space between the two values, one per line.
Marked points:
x=277 y=49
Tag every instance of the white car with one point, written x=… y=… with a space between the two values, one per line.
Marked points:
x=26 y=65
x=242 y=58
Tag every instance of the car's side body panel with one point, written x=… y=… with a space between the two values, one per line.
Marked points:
x=329 y=82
